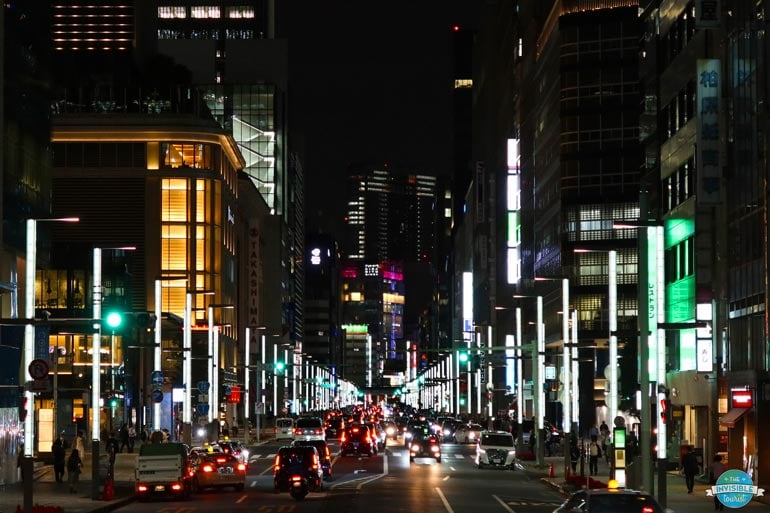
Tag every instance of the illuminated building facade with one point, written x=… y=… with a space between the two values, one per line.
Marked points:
x=168 y=186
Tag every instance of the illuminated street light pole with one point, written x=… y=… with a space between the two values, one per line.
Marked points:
x=187 y=368
x=539 y=381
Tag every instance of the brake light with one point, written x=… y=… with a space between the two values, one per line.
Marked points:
x=296 y=478
x=342 y=439
x=207 y=468
x=241 y=466
x=221 y=460
x=141 y=488
x=318 y=431
x=297 y=431
x=648 y=509
x=176 y=487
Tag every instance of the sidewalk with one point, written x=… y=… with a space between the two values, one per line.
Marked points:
x=47 y=492
x=676 y=491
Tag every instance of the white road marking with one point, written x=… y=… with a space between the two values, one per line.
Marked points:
x=241 y=499
x=503 y=504
x=253 y=484
x=443 y=499
x=445 y=478
x=452 y=469
x=459 y=456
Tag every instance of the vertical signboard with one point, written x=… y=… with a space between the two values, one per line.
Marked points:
x=709 y=158
x=255 y=275
x=468 y=306
x=652 y=301
x=513 y=207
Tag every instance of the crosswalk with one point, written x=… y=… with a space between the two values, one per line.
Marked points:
x=395 y=454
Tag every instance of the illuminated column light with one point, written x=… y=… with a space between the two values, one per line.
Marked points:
x=513 y=207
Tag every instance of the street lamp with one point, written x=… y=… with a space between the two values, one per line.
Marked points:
x=29 y=352
x=539 y=363
x=96 y=348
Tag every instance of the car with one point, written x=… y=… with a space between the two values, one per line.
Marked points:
x=303 y=460
x=424 y=444
x=284 y=428
x=216 y=469
x=235 y=447
x=448 y=428
x=391 y=429
x=324 y=454
x=334 y=427
x=495 y=449
x=309 y=428
x=601 y=500
x=376 y=431
x=357 y=440
x=412 y=427
x=468 y=433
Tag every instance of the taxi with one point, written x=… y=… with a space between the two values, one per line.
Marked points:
x=213 y=468
x=612 y=498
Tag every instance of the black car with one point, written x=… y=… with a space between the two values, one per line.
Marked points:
x=334 y=427
x=302 y=460
x=324 y=454
x=448 y=428
x=601 y=500
x=414 y=426
x=424 y=444
x=357 y=440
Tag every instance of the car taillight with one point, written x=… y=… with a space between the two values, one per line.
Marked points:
x=342 y=438
x=435 y=448
x=221 y=460
x=648 y=509
x=297 y=431
x=296 y=478
x=176 y=487
x=241 y=466
x=319 y=431
x=141 y=488
x=207 y=468
x=415 y=447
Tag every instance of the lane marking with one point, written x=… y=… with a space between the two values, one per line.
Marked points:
x=443 y=499
x=241 y=499
x=503 y=504
x=268 y=469
x=253 y=484
x=445 y=478
x=459 y=456
x=452 y=469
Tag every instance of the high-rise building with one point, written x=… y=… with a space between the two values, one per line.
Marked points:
x=322 y=299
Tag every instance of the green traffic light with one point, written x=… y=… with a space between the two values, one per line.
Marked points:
x=463 y=356
x=462 y=401
x=114 y=319
x=114 y=403
x=279 y=366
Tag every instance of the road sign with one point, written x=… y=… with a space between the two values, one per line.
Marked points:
x=203 y=398
x=202 y=408
x=156 y=377
x=38 y=369
x=228 y=389
x=203 y=387
x=157 y=395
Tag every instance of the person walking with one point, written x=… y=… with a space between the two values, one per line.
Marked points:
x=717 y=469
x=79 y=445
x=574 y=452
x=74 y=466
x=594 y=453
x=690 y=467
x=131 y=438
x=123 y=435
x=59 y=450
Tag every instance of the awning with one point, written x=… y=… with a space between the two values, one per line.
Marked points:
x=731 y=417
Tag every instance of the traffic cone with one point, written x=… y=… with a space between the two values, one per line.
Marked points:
x=552 y=472
x=109 y=491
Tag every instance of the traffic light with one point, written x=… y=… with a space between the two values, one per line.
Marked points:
x=462 y=356
x=280 y=367
x=423 y=360
x=476 y=362
x=113 y=402
x=462 y=401
x=114 y=319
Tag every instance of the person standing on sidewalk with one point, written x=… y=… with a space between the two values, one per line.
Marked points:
x=690 y=467
x=59 y=450
x=717 y=469
x=594 y=453
x=74 y=465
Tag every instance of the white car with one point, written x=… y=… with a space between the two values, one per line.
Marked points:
x=495 y=449
x=284 y=429
x=309 y=428
x=468 y=433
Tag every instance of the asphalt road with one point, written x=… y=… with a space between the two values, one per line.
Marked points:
x=385 y=483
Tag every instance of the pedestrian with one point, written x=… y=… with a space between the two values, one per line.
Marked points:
x=74 y=466
x=79 y=445
x=690 y=467
x=717 y=469
x=235 y=430
x=574 y=452
x=112 y=446
x=131 y=438
x=594 y=453
x=123 y=434
x=59 y=450
x=20 y=462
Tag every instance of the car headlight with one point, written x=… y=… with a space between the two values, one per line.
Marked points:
x=512 y=453
x=390 y=431
x=201 y=432
x=447 y=432
x=471 y=435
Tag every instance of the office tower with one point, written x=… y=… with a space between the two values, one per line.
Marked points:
x=322 y=299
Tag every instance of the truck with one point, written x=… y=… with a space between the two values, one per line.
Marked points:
x=163 y=470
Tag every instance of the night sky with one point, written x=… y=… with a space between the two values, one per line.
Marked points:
x=370 y=81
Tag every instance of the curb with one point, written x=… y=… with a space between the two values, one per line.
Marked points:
x=113 y=505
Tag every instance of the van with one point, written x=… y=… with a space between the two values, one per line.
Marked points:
x=284 y=428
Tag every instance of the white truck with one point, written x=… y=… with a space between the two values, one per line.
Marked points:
x=163 y=470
